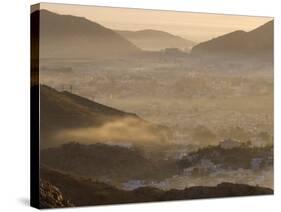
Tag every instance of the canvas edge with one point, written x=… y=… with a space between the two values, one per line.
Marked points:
x=34 y=110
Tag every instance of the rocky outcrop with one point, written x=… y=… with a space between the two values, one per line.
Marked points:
x=51 y=197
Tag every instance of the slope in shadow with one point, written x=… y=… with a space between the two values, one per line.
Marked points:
x=83 y=192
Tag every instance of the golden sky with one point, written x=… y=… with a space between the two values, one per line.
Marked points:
x=193 y=26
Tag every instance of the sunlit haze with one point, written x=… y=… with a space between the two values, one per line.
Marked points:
x=193 y=26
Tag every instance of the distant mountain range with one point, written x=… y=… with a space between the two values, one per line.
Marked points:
x=155 y=40
x=258 y=42
x=71 y=37
x=68 y=111
x=66 y=36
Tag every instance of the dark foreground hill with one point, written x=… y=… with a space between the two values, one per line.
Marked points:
x=258 y=42
x=71 y=37
x=64 y=109
x=61 y=111
x=155 y=40
x=105 y=162
x=85 y=192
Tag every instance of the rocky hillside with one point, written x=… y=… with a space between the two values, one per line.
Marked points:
x=51 y=197
x=84 y=192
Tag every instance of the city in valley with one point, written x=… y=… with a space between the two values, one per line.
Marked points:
x=130 y=115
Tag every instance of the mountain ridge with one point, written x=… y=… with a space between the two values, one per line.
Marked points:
x=253 y=43
x=67 y=36
x=150 y=39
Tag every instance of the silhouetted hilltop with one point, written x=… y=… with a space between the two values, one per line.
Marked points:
x=64 y=109
x=240 y=43
x=66 y=36
x=156 y=40
x=81 y=191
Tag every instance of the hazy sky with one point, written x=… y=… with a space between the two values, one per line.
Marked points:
x=194 y=26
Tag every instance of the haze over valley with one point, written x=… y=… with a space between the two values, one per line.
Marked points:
x=160 y=110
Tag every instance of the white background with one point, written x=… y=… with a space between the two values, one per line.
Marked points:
x=14 y=103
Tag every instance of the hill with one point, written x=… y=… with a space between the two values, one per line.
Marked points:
x=258 y=42
x=240 y=157
x=84 y=192
x=155 y=40
x=65 y=117
x=105 y=162
x=71 y=37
